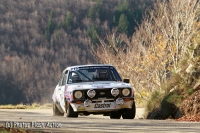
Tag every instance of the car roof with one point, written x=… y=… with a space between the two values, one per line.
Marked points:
x=69 y=68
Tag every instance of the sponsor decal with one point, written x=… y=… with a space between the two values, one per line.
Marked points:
x=90 y=67
x=67 y=94
x=66 y=88
x=81 y=108
x=124 y=106
x=102 y=105
x=100 y=87
x=74 y=68
x=54 y=97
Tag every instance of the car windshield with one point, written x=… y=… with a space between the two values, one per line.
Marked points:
x=93 y=73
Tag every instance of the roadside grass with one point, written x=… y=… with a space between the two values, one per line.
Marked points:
x=16 y=130
x=27 y=106
x=140 y=103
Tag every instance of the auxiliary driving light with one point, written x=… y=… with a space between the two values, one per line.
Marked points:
x=115 y=92
x=91 y=93
x=87 y=103
x=119 y=101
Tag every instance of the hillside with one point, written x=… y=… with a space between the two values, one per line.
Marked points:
x=39 y=38
x=162 y=59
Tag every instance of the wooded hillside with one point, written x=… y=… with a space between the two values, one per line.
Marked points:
x=39 y=38
x=162 y=58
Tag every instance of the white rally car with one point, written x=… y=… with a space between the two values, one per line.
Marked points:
x=93 y=89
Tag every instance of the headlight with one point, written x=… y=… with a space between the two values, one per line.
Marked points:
x=91 y=93
x=78 y=94
x=115 y=92
x=125 y=92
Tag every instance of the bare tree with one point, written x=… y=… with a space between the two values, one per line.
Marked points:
x=176 y=23
x=156 y=46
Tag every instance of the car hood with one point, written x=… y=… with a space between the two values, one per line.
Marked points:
x=98 y=85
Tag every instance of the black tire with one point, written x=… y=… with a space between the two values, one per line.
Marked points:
x=115 y=115
x=129 y=113
x=69 y=110
x=56 y=111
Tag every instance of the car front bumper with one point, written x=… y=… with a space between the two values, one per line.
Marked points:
x=101 y=106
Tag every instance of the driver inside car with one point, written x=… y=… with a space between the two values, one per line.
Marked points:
x=102 y=75
x=75 y=77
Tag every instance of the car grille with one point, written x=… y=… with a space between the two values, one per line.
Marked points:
x=101 y=93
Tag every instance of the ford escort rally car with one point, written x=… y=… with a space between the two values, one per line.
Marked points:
x=93 y=89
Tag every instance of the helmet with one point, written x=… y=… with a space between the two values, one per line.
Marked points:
x=102 y=74
x=75 y=77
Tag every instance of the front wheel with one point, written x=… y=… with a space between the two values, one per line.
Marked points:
x=115 y=115
x=69 y=110
x=129 y=113
x=56 y=111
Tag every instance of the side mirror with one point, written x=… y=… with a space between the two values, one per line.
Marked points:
x=126 y=80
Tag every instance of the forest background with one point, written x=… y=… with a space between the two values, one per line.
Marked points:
x=149 y=41
x=39 y=38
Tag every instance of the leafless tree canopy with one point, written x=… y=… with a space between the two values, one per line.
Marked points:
x=159 y=43
x=39 y=38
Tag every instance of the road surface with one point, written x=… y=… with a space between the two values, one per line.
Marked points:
x=42 y=120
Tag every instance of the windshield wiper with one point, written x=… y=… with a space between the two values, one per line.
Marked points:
x=84 y=75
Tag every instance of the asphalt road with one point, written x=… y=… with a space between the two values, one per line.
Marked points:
x=42 y=120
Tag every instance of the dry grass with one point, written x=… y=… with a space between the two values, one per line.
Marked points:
x=16 y=130
x=27 y=106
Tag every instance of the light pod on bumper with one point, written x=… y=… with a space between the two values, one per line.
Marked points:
x=119 y=101
x=125 y=92
x=87 y=103
x=115 y=92
x=91 y=93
